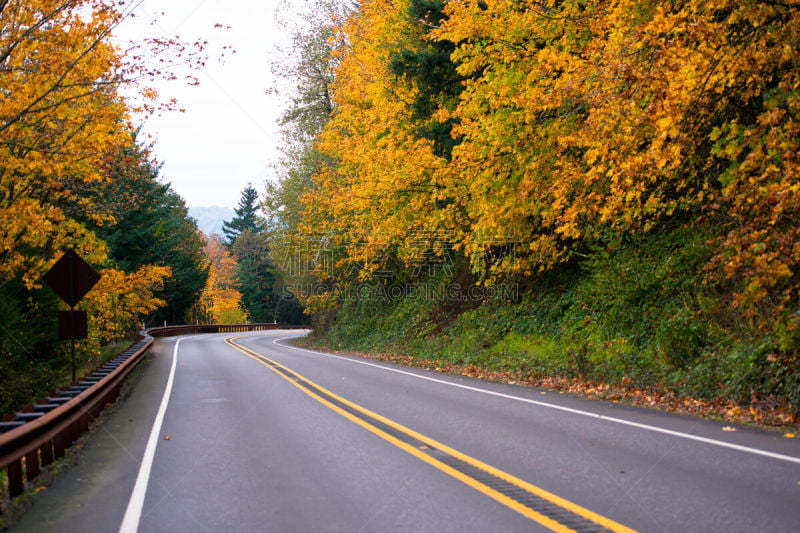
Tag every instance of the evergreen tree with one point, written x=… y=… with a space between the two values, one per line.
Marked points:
x=246 y=217
x=152 y=227
x=256 y=275
x=427 y=64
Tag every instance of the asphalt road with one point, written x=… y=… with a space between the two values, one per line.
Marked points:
x=256 y=435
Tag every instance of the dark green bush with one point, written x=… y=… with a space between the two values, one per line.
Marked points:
x=640 y=309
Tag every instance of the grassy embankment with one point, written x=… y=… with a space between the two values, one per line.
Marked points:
x=637 y=322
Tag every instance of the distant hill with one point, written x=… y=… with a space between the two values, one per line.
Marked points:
x=209 y=219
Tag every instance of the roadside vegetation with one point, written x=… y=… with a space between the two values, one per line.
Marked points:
x=619 y=181
x=598 y=192
x=636 y=325
x=75 y=174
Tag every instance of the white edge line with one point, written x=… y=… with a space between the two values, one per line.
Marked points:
x=133 y=513
x=622 y=421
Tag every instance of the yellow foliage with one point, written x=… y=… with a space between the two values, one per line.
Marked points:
x=59 y=114
x=221 y=301
x=119 y=301
x=384 y=187
x=578 y=120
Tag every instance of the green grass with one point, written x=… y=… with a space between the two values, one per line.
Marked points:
x=640 y=309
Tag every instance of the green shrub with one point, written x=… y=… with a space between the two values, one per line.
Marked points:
x=639 y=309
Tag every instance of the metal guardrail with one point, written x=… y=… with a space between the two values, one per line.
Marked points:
x=43 y=434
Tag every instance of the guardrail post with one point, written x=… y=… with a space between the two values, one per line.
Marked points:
x=58 y=444
x=32 y=465
x=15 y=484
x=68 y=436
x=74 y=431
x=47 y=453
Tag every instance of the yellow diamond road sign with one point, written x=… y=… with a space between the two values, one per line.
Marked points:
x=71 y=278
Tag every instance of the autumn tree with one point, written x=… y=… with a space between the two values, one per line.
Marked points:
x=61 y=117
x=584 y=118
x=385 y=193
x=307 y=69
x=59 y=114
x=578 y=123
x=580 y=147
x=221 y=300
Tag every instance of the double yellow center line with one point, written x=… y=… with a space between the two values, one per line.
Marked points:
x=539 y=505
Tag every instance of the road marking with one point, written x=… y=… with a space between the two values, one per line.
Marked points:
x=133 y=513
x=531 y=501
x=580 y=412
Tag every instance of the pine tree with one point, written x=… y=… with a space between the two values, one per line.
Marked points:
x=245 y=219
x=426 y=63
x=152 y=227
x=256 y=275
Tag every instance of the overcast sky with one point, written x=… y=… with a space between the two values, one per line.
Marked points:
x=228 y=135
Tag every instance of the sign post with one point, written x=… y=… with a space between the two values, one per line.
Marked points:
x=71 y=278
